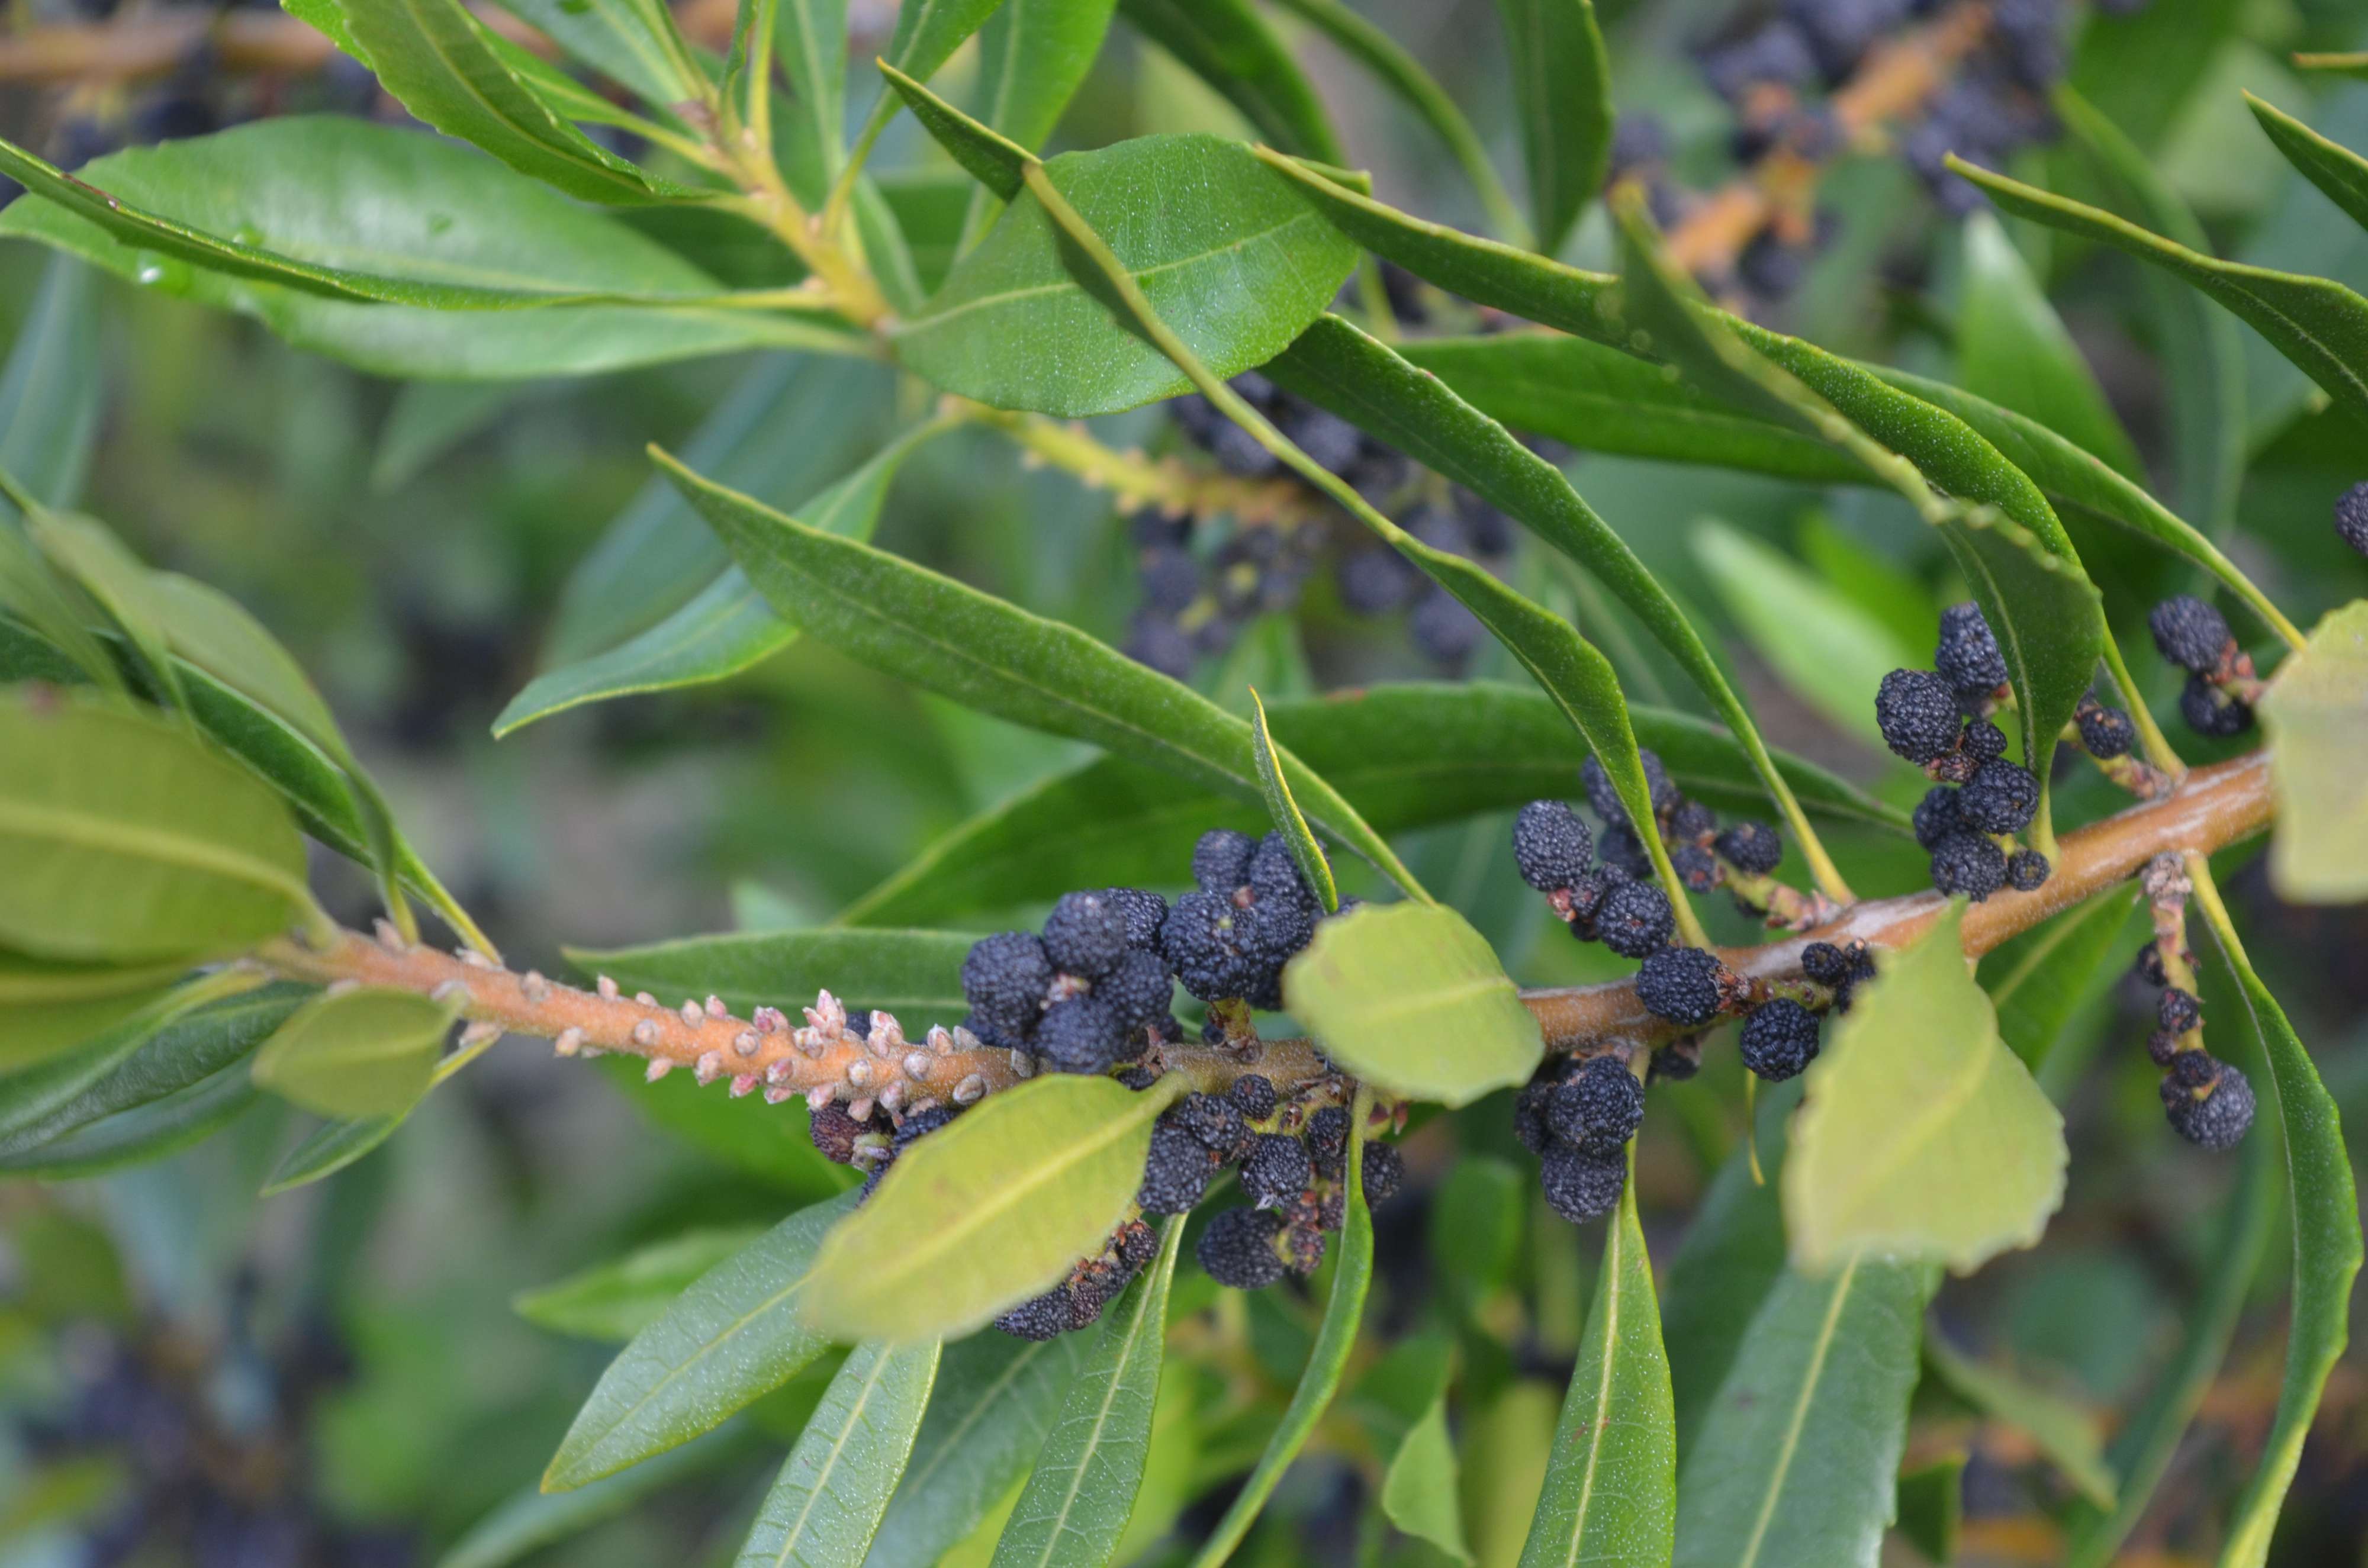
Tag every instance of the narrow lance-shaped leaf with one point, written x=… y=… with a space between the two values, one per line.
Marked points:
x=1229 y=46
x=1564 y=663
x=95 y=561
x=1921 y=1135
x=1611 y=1492
x=1411 y=997
x=1405 y=756
x=2337 y=171
x=996 y=1398
x=1419 y=1487
x=1352 y=1276
x=1931 y=1507
x=1562 y=86
x=2039 y=979
x=985 y=154
x=123 y=839
x=634 y=42
x=2064 y=1432
x=617 y=1300
x=989 y=1210
x=1797 y=1457
x=1000 y=659
x=1360 y=378
x=197 y=240
x=2325 y=1203
x=52 y=1097
x=2316 y=322
x=1074 y=1510
x=2047 y=616
x=728 y=627
x=328 y=1149
x=825 y=1507
x=1304 y=851
x=732 y=1337
x=1033 y=56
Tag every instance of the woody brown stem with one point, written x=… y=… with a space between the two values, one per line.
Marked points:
x=822 y=1059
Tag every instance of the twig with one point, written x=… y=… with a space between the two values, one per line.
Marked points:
x=824 y=1060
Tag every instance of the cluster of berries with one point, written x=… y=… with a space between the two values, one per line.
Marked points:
x=1194 y=609
x=1290 y=1163
x=2207 y=1101
x=1939 y=719
x=1091 y=990
x=2221 y=686
x=2352 y=517
x=1576 y=1117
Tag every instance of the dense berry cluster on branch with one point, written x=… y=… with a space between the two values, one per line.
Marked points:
x=2217 y=700
x=2207 y=1101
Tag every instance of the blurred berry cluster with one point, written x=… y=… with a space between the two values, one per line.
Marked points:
x=1197 y=598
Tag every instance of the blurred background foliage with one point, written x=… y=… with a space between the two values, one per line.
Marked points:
x=341 y=1375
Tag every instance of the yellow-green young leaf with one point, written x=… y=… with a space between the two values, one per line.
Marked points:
x=2317 y=715
x=1285 y=811
x=123 y=839
x=44 y=1007
x=988 y=1212
x=85 y=550
x=368 y=1052
x=1419 y=1490
x=1410 y=996
x=1921 y=1135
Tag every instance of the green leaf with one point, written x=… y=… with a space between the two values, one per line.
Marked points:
x=1921 y=1136
x=2340 y=173
x=2062 y=1430
x=145 y=1133
x=1727 y=1261
x=826 y=1503
x=50 y=386
x=2336 y=64
x=633 y=42
x=1611 y=1492
x=313 y=787
x=2316 y=716
x=728 y=627
x=1305 y=851
x=998 y=659
x=2047 y=614
x=1359 y=379
x=734 y=1336
x=328 y=1149
x=1411 y=997
x=55 y=1096
x=914 y=974
x=1797 y=1454
x=306 y=231
x=179 y=1049
x=1825 y=647
x=1931 y=1507
x=1601 y=400
x=775 y=1149
x=2201 y=349
x=989 y=1210
x=1404 y=756
x=122 y=839
x=1075 y=1509
x=444 y=65
x=370 y=1053
x=2142 y=1453
x=997 y=1399
x=2325 y=1205
x=45 y=1006
x=985 y=154
x=929 y=31
x=1396 y=68
x=2316 y=322
x=1229 y=46
x=95 y=561
x=2026 y=565
x=783 y=431
x=1475 y=1224
x=2012 y=349
x=1328 y=1358
x=2039 y=979
x=531 y=1520
x=1418 y=1488
x=462 y=220
x=810 y=36
x=1210 y=233
x=617 y=1300
x=1562 y=90
x=1033 y=56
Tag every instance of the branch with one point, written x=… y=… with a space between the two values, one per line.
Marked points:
x=823 y=1059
